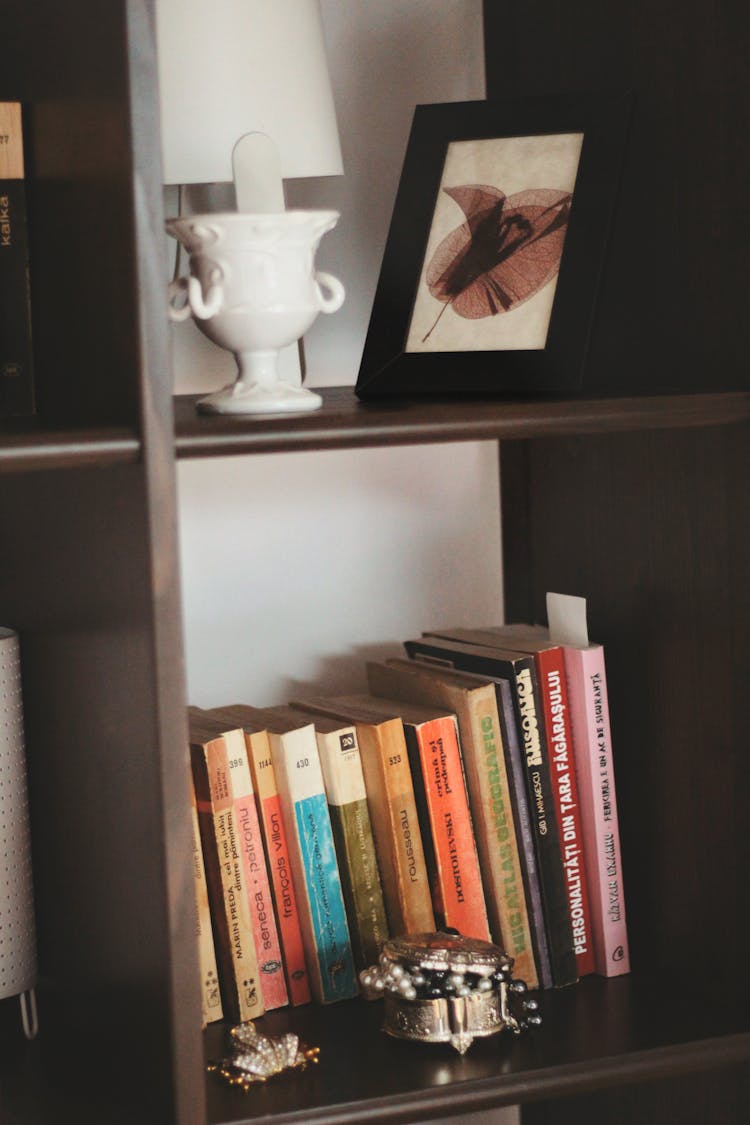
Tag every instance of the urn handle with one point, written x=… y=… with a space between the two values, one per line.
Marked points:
x=195 y=303
x=331 y=302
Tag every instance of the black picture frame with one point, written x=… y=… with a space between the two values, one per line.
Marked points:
x=553 y=367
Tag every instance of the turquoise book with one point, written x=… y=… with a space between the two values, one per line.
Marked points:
x=346 y=793
x=315 y=871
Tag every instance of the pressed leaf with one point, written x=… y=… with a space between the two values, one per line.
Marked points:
x=508 y=248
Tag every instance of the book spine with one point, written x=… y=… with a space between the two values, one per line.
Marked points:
x=442 y=803
x=316 y=875
x=257 y=883
x=497 y=840
x=242 y=997
x=554 y=692
x=360 y=880
x=425 y=828
x=527 y=705
x=398 y=840
x=353 y=839
x=280 y=867
x=210 y=993
x=524 y=831
x=16 y=362
x=587 y=686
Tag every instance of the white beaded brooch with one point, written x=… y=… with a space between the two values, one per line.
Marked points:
x=255 y=1057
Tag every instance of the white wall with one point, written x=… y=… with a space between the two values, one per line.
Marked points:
x=298 y=567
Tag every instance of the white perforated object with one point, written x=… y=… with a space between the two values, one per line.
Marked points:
x=17 y=936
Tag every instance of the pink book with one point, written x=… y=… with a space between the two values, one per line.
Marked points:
x=298 y=980
x=277 y=850
x=265 y=931
x=592 y=747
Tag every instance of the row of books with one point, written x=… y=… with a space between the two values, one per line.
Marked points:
x=471 y=787
x=16 y=369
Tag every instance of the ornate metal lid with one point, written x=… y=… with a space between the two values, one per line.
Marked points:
x=442 y=952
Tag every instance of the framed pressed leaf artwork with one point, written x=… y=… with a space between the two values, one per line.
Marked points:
x=496 y=248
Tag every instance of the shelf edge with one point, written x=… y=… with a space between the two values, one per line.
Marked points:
x=510 y=1089
x=344 y=422
x=27 y=453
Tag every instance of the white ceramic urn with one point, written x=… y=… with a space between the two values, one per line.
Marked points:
x=253 y=289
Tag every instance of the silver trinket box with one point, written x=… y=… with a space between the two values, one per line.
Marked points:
x=445 y=988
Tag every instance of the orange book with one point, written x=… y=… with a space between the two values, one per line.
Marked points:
x=277 y=852
x=393 y=812
x=241 y=993
x=434 y=750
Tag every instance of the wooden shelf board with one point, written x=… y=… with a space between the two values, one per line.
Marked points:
x=596 y=1034
x=344 y=422
x=26 y=445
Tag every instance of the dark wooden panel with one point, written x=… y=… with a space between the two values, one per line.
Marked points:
x=106 y=783
x=150 y=339
x=653 y=529
x=672 y=301
x=516 y=530
x=68 y=65
x=717 y=1099
x=102 y=635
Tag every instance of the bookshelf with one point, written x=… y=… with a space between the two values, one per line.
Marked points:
x=641 y=501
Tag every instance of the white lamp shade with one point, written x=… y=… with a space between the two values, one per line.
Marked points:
x=230 y=67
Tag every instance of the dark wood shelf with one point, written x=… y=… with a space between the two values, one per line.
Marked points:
x=596 y=1034
x=345 y=422
x=28 y=445
x=639 y=503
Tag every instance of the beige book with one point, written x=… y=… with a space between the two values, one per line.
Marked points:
x=211 y=1008
x=242 y=997
x=11 y=141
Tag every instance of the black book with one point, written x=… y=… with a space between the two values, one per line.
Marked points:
x=519 y=671
x=515 y=766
